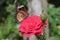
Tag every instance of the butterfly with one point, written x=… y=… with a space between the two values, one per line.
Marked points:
x=21 y=13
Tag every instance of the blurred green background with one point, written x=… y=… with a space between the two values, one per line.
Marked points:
x=8 y=25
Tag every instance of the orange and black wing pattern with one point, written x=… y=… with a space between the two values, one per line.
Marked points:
x=21 y=13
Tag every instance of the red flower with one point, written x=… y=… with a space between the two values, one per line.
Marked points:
x=46 y=22
x=31 y=25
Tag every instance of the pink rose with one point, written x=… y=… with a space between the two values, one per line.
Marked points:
x=31 y=25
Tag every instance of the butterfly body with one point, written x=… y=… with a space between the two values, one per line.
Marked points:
x=21 y=12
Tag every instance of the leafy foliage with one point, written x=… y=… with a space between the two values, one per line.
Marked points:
x=54 y=19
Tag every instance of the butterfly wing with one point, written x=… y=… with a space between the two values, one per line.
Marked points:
x=21 y=12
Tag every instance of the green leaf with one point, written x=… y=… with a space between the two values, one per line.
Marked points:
x=54 y=38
